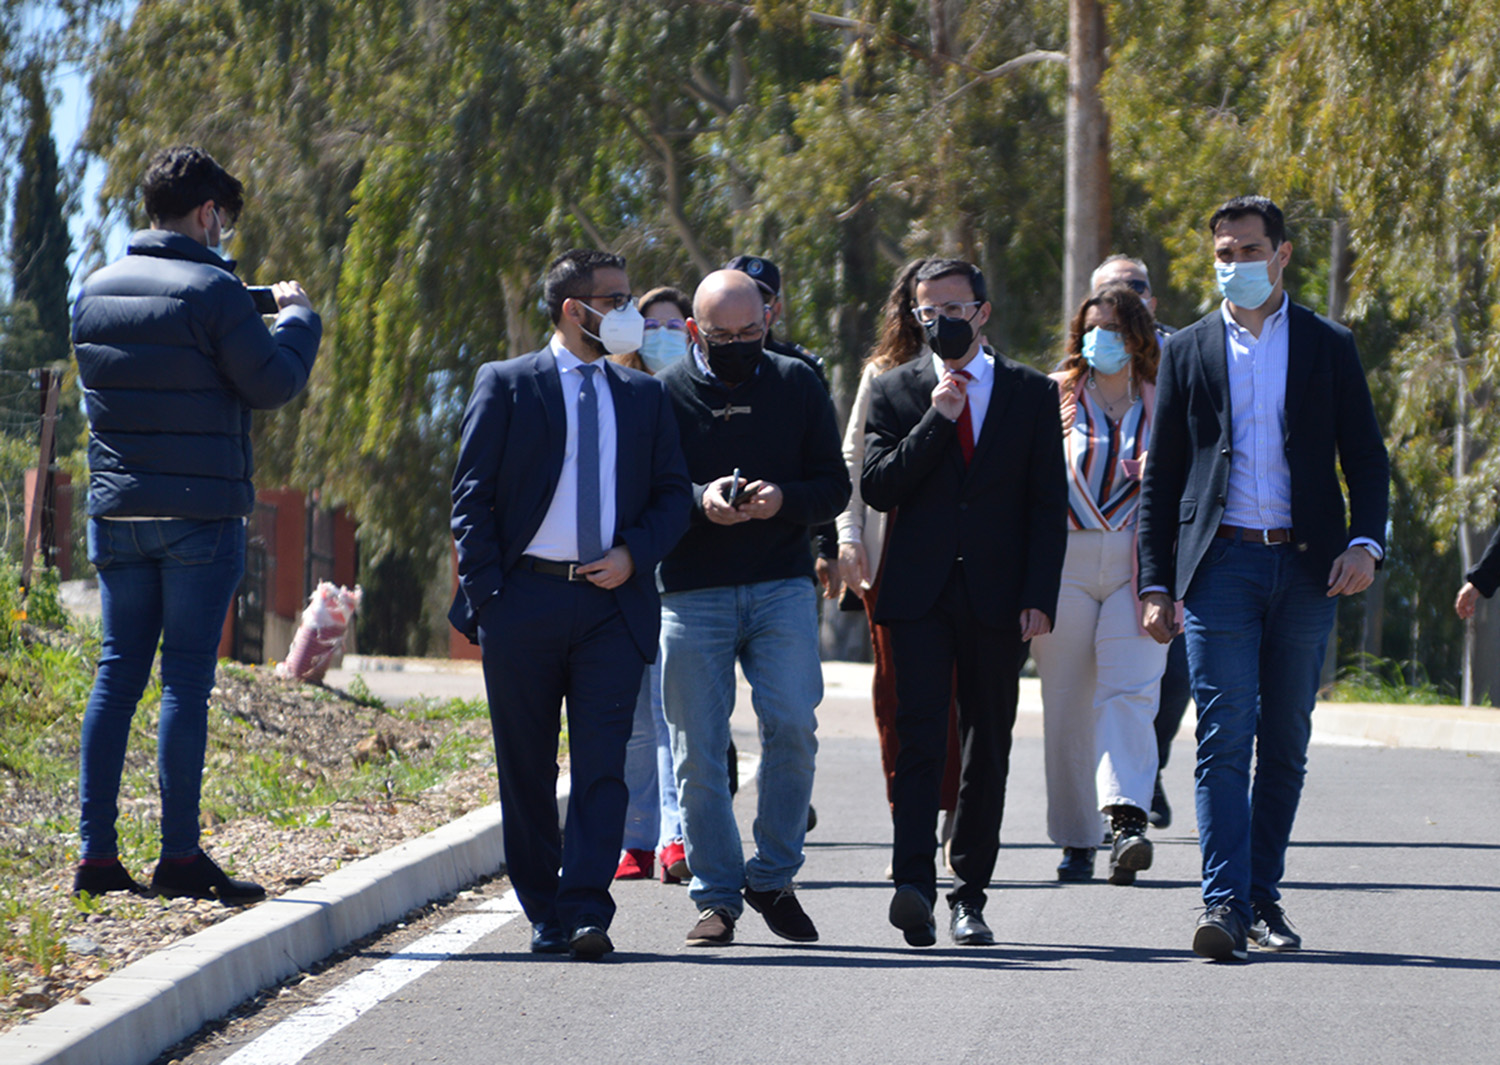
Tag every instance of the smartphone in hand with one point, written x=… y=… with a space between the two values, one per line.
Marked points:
x=737 y=489
x=265 y=300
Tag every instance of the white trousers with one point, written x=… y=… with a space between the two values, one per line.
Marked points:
x=1101 y=677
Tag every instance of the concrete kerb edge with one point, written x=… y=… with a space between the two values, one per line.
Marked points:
x=165 y=997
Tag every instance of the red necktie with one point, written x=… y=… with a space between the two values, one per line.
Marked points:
x=965 y=422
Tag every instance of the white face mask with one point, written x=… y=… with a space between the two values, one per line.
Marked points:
x=620 y=330
x=662 y=347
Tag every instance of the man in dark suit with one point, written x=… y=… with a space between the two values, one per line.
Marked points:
x=967 y=445
x=1258 y=407
x=570 y=487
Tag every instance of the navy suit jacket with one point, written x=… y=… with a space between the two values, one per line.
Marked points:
x=1329 y=424
x=1005 y=514
x=510 y=457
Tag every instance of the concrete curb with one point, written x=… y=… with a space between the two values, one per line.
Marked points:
x=131 y=1017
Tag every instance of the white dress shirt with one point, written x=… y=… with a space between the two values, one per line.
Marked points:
x=982 y=369
x=557 y=537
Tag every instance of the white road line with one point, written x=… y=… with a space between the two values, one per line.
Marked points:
x=303 y=1032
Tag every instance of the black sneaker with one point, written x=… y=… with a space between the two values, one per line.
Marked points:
x=783 y=914
x=715 y=928
x=202 y=879
x=1220 y=935
x=1271 y=930
x=1077 y=865
x=1161 y=810
x=1131 y=851
x=101 y=879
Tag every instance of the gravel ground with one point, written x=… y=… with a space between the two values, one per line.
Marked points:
x=55 y=946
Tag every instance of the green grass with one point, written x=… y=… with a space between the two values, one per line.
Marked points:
x=1382 y=680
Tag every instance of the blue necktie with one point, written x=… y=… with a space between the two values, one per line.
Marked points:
x=589 y=548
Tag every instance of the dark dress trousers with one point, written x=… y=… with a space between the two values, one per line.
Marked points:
x=969 y=549
x=546 y=639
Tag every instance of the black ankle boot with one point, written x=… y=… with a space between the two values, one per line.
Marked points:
x=100 y=879
x=202 y=879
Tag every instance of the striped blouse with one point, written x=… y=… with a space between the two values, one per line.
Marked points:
x=1103 y=493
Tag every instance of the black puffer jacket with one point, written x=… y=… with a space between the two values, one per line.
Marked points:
x=173 y=357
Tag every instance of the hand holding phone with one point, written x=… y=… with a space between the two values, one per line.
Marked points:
x=737 y=488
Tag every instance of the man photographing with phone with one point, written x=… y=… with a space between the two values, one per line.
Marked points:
x=173 y=357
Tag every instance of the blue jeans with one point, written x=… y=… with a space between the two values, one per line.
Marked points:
x=1258 y=619
x=652 y=820
x=772 y=629
x=169 y=581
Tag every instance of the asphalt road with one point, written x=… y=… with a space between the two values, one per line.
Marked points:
x=1393 y=881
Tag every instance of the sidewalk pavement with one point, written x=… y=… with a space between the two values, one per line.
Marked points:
x=131 y=1017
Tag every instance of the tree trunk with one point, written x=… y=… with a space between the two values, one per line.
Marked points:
x=1340 y=264
x=1086 y=222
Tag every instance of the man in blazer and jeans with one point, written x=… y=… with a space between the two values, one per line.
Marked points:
x=968 y=446
x=569 y=489
x=1259 y=405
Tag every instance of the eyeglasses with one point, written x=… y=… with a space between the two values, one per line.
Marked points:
x=665 y=323
x=749 y=335
x=617 y=300
x=226 y=229
x=927 y=313
x=1142 y=288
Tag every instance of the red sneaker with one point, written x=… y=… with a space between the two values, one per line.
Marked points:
x=674 y=867
x=636 y=864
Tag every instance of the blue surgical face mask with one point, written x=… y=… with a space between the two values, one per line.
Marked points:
x=662 y=347
x=1104 y=350
x=1245 y=284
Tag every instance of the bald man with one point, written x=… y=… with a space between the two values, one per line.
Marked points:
x=740 y=586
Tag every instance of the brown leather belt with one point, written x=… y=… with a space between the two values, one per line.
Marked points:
x=1254 y=536
x=568 y=571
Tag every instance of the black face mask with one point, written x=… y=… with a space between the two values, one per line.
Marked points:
x=734 y=363
x=949 y=338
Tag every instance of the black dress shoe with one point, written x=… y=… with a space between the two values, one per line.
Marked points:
x=590 y=943
x=548 y=938
x=1077 y=866
x=100 y=879
x=202 y=879
x=1161 y=810
x=783 y=913
x=1220 y=935
x=912 y=913
x=1271 y=930
x=968 y=927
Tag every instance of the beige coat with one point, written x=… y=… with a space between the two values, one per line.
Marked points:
x=859 y=524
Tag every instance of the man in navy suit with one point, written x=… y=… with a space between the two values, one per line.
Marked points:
x=569 y=489
x=1259 y=406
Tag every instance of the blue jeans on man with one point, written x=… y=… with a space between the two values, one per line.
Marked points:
x=159 y=580
x=771 y=628
x=1258 y=619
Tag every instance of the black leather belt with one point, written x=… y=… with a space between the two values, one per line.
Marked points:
x=568 y=571
x=1254 y=536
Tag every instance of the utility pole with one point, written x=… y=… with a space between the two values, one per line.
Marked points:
x=41 y=487
x=1087 y=199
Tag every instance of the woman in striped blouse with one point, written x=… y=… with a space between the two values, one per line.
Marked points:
x=1100 y=672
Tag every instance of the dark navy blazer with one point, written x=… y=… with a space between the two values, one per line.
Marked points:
x=510 y=457
x=1329 y=425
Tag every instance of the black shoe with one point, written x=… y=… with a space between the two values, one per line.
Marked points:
x=812 y=817
x=968 y=927
x=1077 y=866
x=783 y=914
x=1220 y=935
x=548 y=938
x=912 y=913
x=1271 y=930
x=589 y=943
x=202 y=879
x=1161 y=810
x=100 y=879
x=1131 y=851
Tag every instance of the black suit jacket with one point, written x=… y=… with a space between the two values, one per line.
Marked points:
x=510 y=458
x=1329 y=424
x=1006 y=513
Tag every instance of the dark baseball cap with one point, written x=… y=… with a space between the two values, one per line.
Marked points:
x=763 y=271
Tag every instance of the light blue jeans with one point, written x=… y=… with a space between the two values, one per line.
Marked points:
x=652 y=820
x=772 y=629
